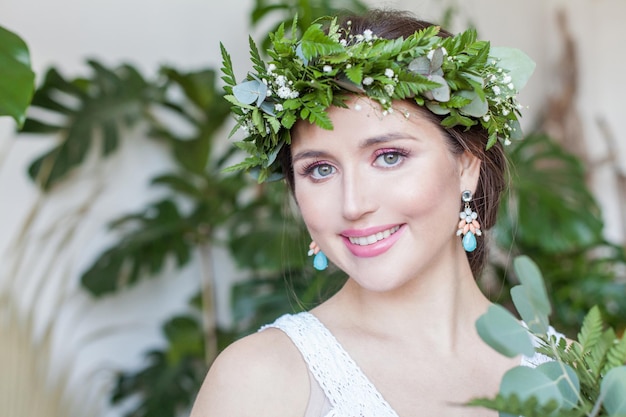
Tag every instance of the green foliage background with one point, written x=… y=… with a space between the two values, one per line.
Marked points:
x=549 y=215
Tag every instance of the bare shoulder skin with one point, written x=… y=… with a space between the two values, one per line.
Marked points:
x=260 y=375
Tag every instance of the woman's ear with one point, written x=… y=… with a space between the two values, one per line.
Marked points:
x=469 y=173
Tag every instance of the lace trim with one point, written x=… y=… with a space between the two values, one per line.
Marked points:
x=347 y=388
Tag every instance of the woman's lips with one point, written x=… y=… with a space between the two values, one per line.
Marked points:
x=370 y=242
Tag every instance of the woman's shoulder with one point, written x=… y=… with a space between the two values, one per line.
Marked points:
x=260 y=374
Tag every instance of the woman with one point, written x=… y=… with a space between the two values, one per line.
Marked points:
x=384 y=128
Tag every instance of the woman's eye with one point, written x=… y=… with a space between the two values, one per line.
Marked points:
x=322 y=171
x=389 y=159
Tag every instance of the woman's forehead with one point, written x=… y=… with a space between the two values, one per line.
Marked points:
x=363 y=116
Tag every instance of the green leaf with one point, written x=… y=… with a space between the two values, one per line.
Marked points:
x=528 y=382
x=477 y=108
x=590 y=331
x=566 y=380
x=17 y=80
x=504 y=333
x=613 y=390
x=531 y=297
x=316 y=43
x=519 y=65
x=106 y=102
x=159 y=232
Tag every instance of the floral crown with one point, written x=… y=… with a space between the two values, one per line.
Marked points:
x=458 y=77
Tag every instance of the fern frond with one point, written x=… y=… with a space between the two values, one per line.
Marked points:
x=591 y=330
x=316 y=43
x=227 y=67
x=616 y=355
x=257 y=62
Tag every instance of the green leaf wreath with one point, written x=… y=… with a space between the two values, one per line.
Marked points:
x=460 y=78
x=585 y=377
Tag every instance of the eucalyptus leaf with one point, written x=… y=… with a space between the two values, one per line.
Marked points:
x=534 y=305
x=516 y=130
x=249 y=92
x=566 y=380
x=477 y=108
x=613 y=390
x=519 y=65
x=528 y=382
x=533 y=318
x=504 y=333
x=436 y=108
x=442 y=93
x=437 y=60
x=420 y=65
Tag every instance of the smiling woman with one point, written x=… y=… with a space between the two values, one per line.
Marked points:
x=390 y=133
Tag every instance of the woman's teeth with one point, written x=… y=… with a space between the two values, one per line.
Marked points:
x=368 y=240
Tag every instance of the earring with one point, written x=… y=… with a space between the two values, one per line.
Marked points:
x=320 y=261
x=468 y=226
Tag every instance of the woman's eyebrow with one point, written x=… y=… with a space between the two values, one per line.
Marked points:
x=308 y=154
x=387 y=137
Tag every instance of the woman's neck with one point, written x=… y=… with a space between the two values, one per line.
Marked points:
x=441 y=305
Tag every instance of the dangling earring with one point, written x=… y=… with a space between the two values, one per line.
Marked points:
x=320 y=261
x=468 y=226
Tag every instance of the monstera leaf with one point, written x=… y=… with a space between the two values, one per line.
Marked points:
x=550 y=206
x=17 y=80
x=84 y=110
x=202 y=109
x=159 y=231
x=172 y=377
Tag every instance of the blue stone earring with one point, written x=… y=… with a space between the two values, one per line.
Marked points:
x=320 y=261
x=468 y=226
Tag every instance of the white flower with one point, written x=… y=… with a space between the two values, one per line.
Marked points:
x=486 y=117
x=348 y=66
x=281 y=80
x=278 y=107
x=507 y=142
x=357 y=107
x=367 y=34
x=506 y=79
x=389 y=88
x=327 y=68
x=389 y=73
x=271 y=68
x=368 y=80
x=343 y=42
x=284 y=92
x=511 y=86
x=496 y=89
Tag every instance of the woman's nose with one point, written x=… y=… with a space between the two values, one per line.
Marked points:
x=359 y=196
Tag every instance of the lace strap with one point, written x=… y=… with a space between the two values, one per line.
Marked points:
x=345 y=385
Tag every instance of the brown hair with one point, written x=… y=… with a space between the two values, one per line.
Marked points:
x=392 y=24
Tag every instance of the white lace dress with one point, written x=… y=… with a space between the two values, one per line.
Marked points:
x=338 y=386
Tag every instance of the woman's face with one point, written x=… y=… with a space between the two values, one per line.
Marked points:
x=380 y=194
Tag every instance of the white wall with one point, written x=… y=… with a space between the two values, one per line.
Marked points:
x=186 y=33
